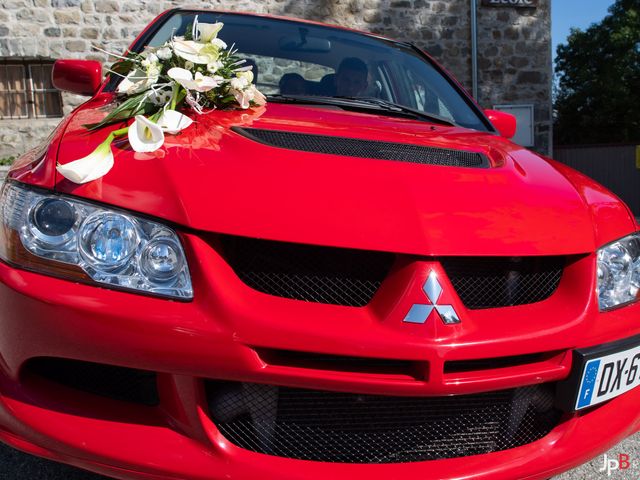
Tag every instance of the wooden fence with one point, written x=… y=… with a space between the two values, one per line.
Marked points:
x=617 y=167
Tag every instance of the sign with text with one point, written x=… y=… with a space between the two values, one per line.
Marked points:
x=510 y=3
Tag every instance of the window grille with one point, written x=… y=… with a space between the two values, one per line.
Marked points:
x=26 y=90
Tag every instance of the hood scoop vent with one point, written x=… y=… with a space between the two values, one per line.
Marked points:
x=355 y=147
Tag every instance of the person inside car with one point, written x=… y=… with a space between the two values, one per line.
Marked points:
x=292 y=84
x=351 y=78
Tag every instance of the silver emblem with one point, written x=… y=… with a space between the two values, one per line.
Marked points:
x=419 y=313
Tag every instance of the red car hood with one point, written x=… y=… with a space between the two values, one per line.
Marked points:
x=210 y=178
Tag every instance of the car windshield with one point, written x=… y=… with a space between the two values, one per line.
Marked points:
x=293 y=59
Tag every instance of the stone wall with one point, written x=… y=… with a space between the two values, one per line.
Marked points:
x=514 y=44
x=515 y=62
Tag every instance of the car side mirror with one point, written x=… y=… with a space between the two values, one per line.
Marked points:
x=82 y=77
x=505 y=123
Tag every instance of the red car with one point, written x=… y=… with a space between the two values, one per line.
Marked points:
x=363 y=278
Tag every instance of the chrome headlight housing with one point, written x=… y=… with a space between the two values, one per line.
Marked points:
x=66 y=237
x=619 y=272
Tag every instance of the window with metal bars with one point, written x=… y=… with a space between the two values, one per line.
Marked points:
x=26 y=90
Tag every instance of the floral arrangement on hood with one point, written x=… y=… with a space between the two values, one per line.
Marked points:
x=196 y=74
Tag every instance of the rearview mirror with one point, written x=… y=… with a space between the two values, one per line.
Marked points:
x=304 y=43
x=82 y=77
x=505 y=123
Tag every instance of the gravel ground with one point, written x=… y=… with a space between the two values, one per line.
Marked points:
x=19 y=466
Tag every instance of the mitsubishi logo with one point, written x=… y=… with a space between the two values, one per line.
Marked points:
x=419 y=313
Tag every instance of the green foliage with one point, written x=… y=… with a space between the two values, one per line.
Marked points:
x=598 y=96
x=129 y=108
x=6 y=161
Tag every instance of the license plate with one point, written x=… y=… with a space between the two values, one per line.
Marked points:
x=608 y=376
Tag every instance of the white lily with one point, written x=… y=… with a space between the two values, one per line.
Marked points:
x=199 y=83
x=145 y=135
x=243 y=97
x=247 y=95
x=239 y=83
x=93 y=166
x=150 y=59
x=213 y=67
x=164 y=53
x=137 y=81
x=246 y=74
x=208 y=31
x=218 y=42
x=172 y=122
x=258 y=96
x=190 y=50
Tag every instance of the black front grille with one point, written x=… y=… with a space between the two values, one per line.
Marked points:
x=355 y=147
x=351 y=428
x=303 y=272
x=492 y=282
x=118 y=383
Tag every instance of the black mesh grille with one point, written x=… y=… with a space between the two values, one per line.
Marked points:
x=354 y=147
x=304 y=272
x=501 y=282
x=350 y=428
x=118 y=383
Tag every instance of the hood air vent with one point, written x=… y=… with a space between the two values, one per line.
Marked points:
x=355 y=147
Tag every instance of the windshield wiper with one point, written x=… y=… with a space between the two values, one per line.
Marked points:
x=363 y=103
x=391 y=106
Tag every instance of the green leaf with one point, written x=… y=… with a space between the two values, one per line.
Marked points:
x=122 y=67
x=126 y=110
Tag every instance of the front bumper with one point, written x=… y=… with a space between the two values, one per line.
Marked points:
x=221 y=335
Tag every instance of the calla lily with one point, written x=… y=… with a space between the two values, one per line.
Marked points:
x=208 y=31
x=144 y=135
x=190 y=50
x=211 y=52
x=218 y=42
x=172 y=122
x=200 y=83
x=239 y=83
x=213 y=67
x=246 y=74
x=164 y=53
x=93 y=166
x=258 y=96
x=150 y=59
x=243 y=98
x=247 y=95
x=137 y=81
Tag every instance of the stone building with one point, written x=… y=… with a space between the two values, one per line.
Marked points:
x=513 y=48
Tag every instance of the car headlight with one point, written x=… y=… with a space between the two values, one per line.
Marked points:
x=69 y=238
x=619 y=272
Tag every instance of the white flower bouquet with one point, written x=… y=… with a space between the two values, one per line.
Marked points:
x=196 y=73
